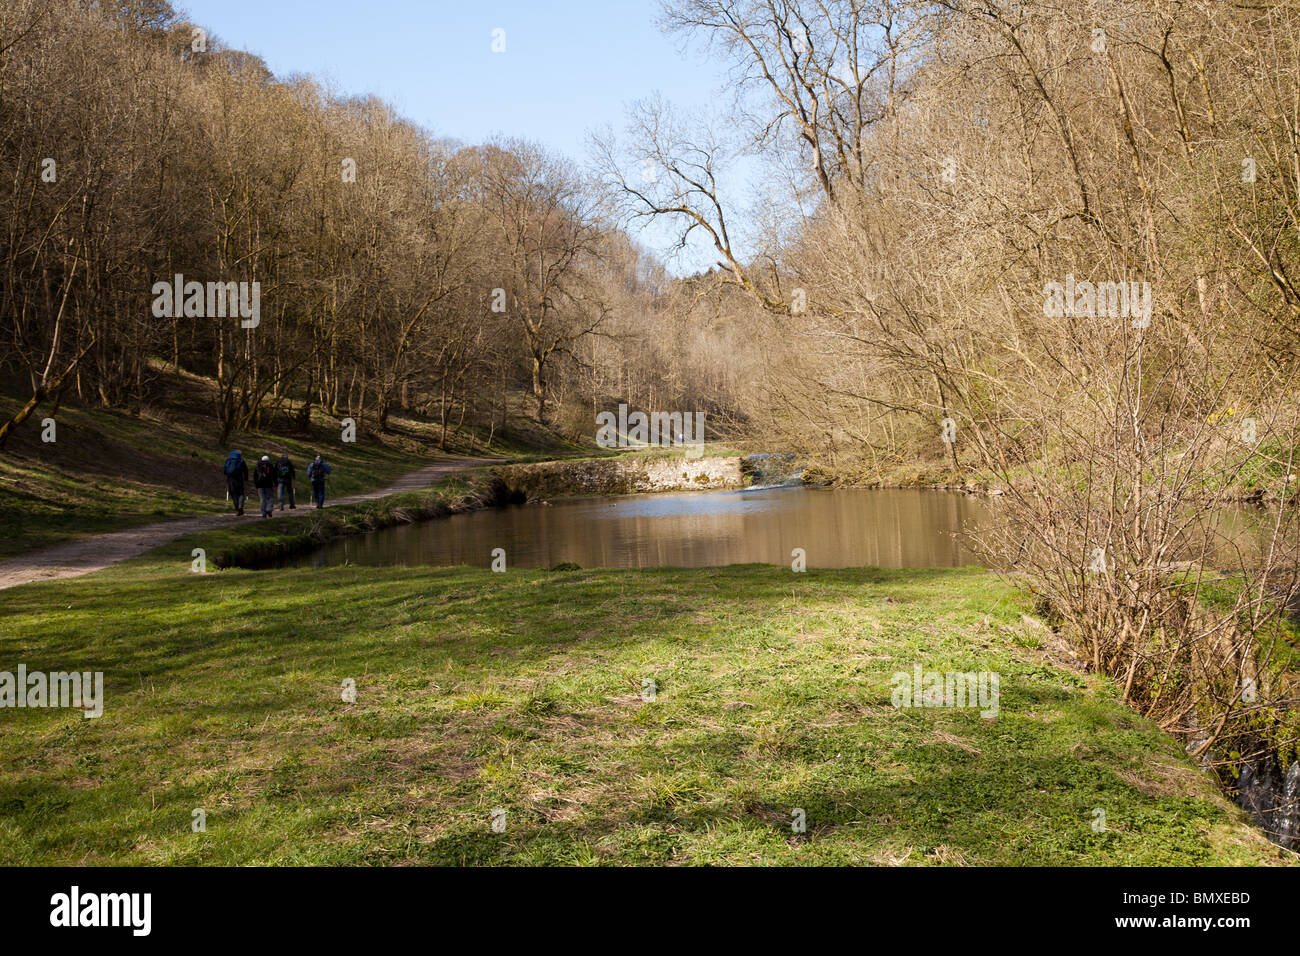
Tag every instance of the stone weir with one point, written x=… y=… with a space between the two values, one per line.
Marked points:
x=622 y=476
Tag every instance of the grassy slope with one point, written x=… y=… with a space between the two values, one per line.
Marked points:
x=523 y=691
x=109 y=470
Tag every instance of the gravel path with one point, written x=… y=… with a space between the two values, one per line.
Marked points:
x=84 y=555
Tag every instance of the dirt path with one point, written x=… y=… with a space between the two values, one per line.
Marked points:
x=75 y=558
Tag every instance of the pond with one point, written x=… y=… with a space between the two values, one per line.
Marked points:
x=836 y=528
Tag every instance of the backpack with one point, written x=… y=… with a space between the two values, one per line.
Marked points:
x=286 y=471
x=316 y=471
x=263 y=472
x=232 y=466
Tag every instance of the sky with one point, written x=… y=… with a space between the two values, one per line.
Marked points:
x=569 y=66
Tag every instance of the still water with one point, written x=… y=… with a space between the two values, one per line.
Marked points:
x=836 y=527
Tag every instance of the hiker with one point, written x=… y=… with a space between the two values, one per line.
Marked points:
x=317 y=471
x=264 y=482
x=284 y=476
x=236 y=474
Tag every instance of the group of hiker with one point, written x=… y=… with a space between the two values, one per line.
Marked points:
x=272 y=480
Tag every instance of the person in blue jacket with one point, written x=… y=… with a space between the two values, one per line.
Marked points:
x=316 y=473
x=236 y=474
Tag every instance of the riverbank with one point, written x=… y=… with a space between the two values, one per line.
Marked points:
x=660 y=716
x=263 y=542
x=249 y=539
x=107 y=471
x=1262 y=481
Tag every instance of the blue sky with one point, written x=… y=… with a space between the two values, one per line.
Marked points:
x=570 y=65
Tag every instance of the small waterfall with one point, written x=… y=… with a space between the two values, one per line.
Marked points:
x=773 y=470
x=1262 y=788
x=1272 y=798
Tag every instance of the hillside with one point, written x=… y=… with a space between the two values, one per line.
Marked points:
x=110 y=469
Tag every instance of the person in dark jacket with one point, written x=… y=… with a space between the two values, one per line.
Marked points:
x=317 y=471
x=236 y=474
x=285 y=473
x=264 y=482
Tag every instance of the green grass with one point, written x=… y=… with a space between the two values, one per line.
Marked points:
x=523 y=691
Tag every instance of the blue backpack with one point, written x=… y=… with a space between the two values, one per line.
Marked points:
x=232 y=465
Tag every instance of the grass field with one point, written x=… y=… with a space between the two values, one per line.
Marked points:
x=524 y=692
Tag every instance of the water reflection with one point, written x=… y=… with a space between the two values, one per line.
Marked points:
x=836 y=527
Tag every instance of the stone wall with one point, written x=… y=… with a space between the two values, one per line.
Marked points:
x=622 y=476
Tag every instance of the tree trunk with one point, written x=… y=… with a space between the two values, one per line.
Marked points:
x=539 y=390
